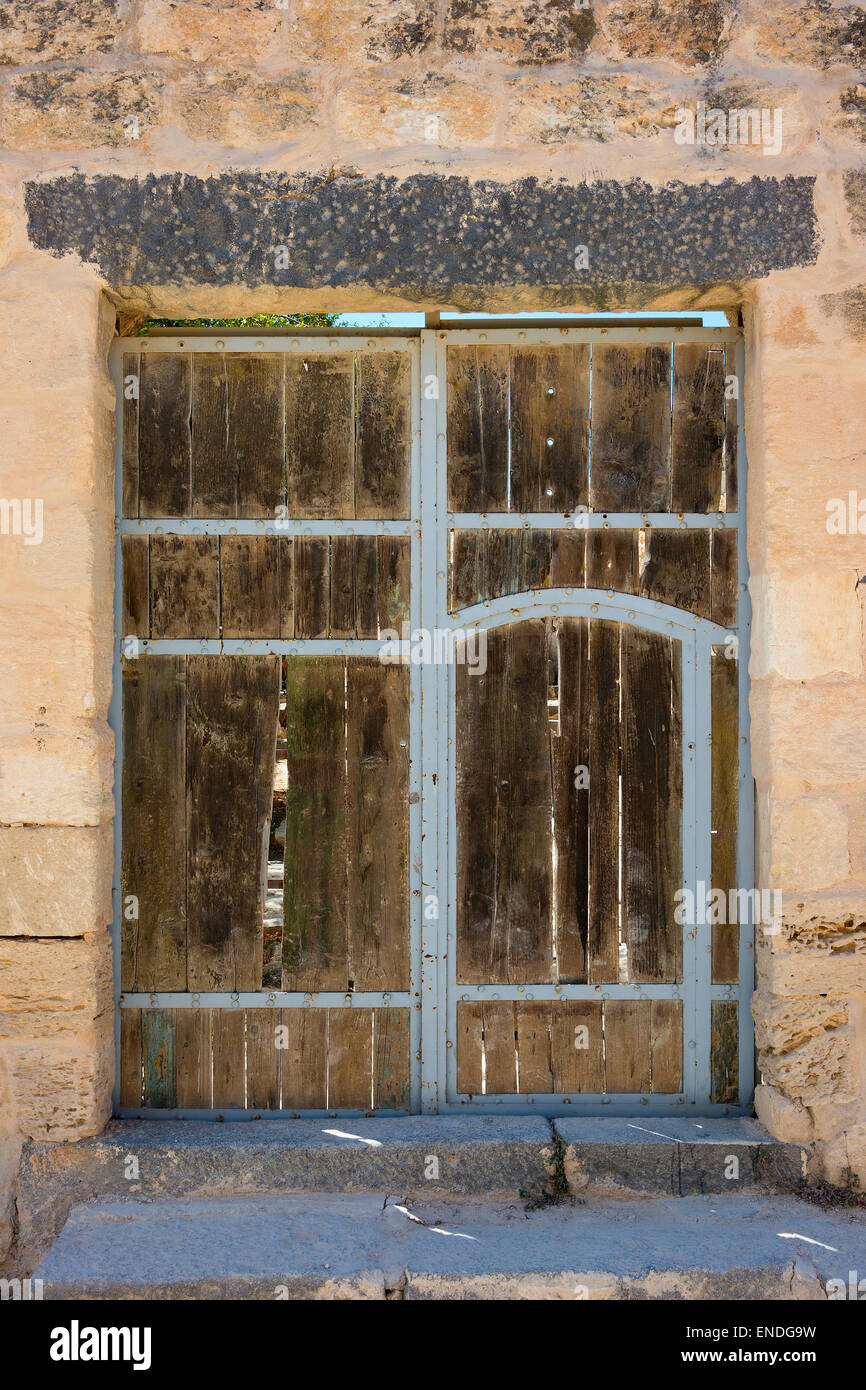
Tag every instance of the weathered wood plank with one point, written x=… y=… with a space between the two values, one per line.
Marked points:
x=377 y=752
x=651 y=804
x=394 y=580
x=666 y=1044
x=287 y=587
x=130 y=1058
x=342 y=618
x=535 y=1074
x=470 y=1047
x=467 y=569
x=604 y=766
x=194 y=1058
x=366 y=586
x=698 y=428
x=576 y=1046
x=724 y=685
x=549 y=428
x=612 y=561
x=350 y=1059
x=631 y=429
x=724 y=1052
x=232 y=715
x=229 y=1064
x=315 y=942
x=504 y=563
x=677 y=570
x=263 y=1057
x=725 y=585
x=184 y=586
x=135 y=561
x=571 y=773
x=627 y=1056
x=383 y=434
x=129 y=425
x=391 y=1076
x=568 y=559
x=250 y=586
x=320 y=435
x=311 y=585
x=164 y=439
x=500 y=1052
x=153 y=864
x=238 y=434
x=158 y=1055
x=535 y=560
x=304 y=1061
x=731 y=438
x=477 y=385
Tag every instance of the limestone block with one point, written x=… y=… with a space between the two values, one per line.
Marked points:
x=844 y=1158
x=53 y=988
x=409 y=110
x=784 y=1118
x=373 y=31
x=61 y=775
x=808 y=624
x=219 y=31
x=80 y=109
x=551 y=112
x=808 y=734
x=237 y=108
x=812 y=34
x=63 y=1086
x=519 y=31
x=808 y=844
x=675 y=31
x=55 y=880
x=41 y=31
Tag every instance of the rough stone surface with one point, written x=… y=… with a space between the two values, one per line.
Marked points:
x=64 y=110
x=235 y=108
x=814 y=34
x=358 y=1248
x=223 y=31
x=691 y=33
x=372 y=31
x=55 y=881
x=520 y=31
x=49 y=987
x=41 y=31
x=432 y=110
x=423 y=230
x=588 y=108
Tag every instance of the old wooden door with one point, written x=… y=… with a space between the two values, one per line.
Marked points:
x=456 y=621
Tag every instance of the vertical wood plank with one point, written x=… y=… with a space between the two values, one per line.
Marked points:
x=342 y=617
x=304 y=1062
x=164 y=439
x=677 y=570
x=250 y=586
x=383 y=435
x=604 y=767
x=311 y=555
x=504 y=563
x=263 y=1058
x=651 y=804
x=232 y=716
x=134 y=554
x=549 y=428
x=153 y=861
x=131 y=388
x=467 y=569
x=631 y=429
x=500 y=1054
x=627 y=1056
x=393 y=582
x=350 y=1059
x=320 y=435
x=724 y=1052
x=612 y=561
x=724 y=686
x=228 y=1059
x=731 y=438
x=391 y=1075
x=194 y=1059
x=535 y=1074
x=470 y=1026
x=568 y=559
x=366 y=586
x=725 y=584
x=158 y=1055
x=287 y=587
x=535 y=560
x=576 y=1046
x=238 y=434
x=477 y=385
x=130 y=1058
x=666 y=1044
x=570 y=761
x=377 y=744
x=184 y=586
x=315 y=910
x=698 y=428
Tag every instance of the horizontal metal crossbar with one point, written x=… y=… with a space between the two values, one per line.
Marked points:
x=268 y=342
x=713 y=337
x=261 y=526
x=273 y=999
x=585 y=603
x=524 y=993
x=300 y=646
x=593 y=521
x=309 y=341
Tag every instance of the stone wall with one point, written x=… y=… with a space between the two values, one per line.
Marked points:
x=423 y=153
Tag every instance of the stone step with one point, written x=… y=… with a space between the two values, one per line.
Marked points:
x=468 y=1157
x=366 y=1247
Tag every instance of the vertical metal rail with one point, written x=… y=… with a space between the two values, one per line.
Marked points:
x=115 y=714
x=746 y=817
